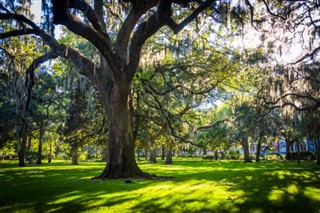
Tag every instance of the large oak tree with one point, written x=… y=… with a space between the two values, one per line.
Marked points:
x=119 y=59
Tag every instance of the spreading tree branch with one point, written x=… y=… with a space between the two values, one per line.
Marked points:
x=281 y=103
x=178 y=27
x=269 y=11
x=30 y=73
x=90 y=14
x=126 y=30
x=309 y=55
x=85 y=66
x=149 y=27
x=14 y=33
x=212 y=125
x=144 y=31
x=99 y=39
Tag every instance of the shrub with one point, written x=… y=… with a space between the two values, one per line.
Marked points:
x=274 y=156
x=271 y=156
x=32 y=155
x=303 y=155
x=208 y=157
x=233 y=155
x=184 y=154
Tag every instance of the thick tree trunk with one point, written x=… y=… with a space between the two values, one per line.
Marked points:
x=163 y=152
x=153 y=156
x=74 y=154
x=50 y=153
x=41 y=134
x=317 y=144
x=246 y=154
x=288 y=145
x=216 y=155
x=169 y=156
x=204 y=151
x=121 y=161
x=318 y=156
x=146 y=154
x=23 y=145
x=298 y=154
x=138 y=154
x=258 y=151
x=28 y=146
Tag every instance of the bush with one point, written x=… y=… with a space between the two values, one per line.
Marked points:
x=64 y=156
x=272 y=156
x=233 y=155
x=303 y=155
x=252 y=157
x=82 y=156
x=32 y=155
x=208 y=157
x=184 y=154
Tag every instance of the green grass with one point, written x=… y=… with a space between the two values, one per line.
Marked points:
x=199 y=186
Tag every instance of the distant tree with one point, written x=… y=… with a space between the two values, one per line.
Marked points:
x=291 y=86
x=7 y=110
x=243 y=127
x=84 y=121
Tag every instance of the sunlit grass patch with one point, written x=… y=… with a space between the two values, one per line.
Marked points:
x=312 y=193
x=197 y=186
x=276 y=195
x=170 y=196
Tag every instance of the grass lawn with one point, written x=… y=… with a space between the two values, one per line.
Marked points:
x=199 y=186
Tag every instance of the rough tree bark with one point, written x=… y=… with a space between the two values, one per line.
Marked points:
x=245 y=146
x=23 y=137
x=120 y=159
x=50 y=153
x=216 y=155
x=74 y=154
x=29 y=140
x=317 y=146
x=258 y=151
x=288 y=145
x=146 y=154
x=153 y=152
x=163 y=152
x=153 y=156
x=318 y=151
x=169 y=155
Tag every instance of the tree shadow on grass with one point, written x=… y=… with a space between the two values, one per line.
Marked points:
x=257 y=187
x=287 y=190
x=55 y=188
x=211 y=187
x=270 y=187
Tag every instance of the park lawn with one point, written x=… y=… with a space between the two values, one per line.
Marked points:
x=198 y=186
